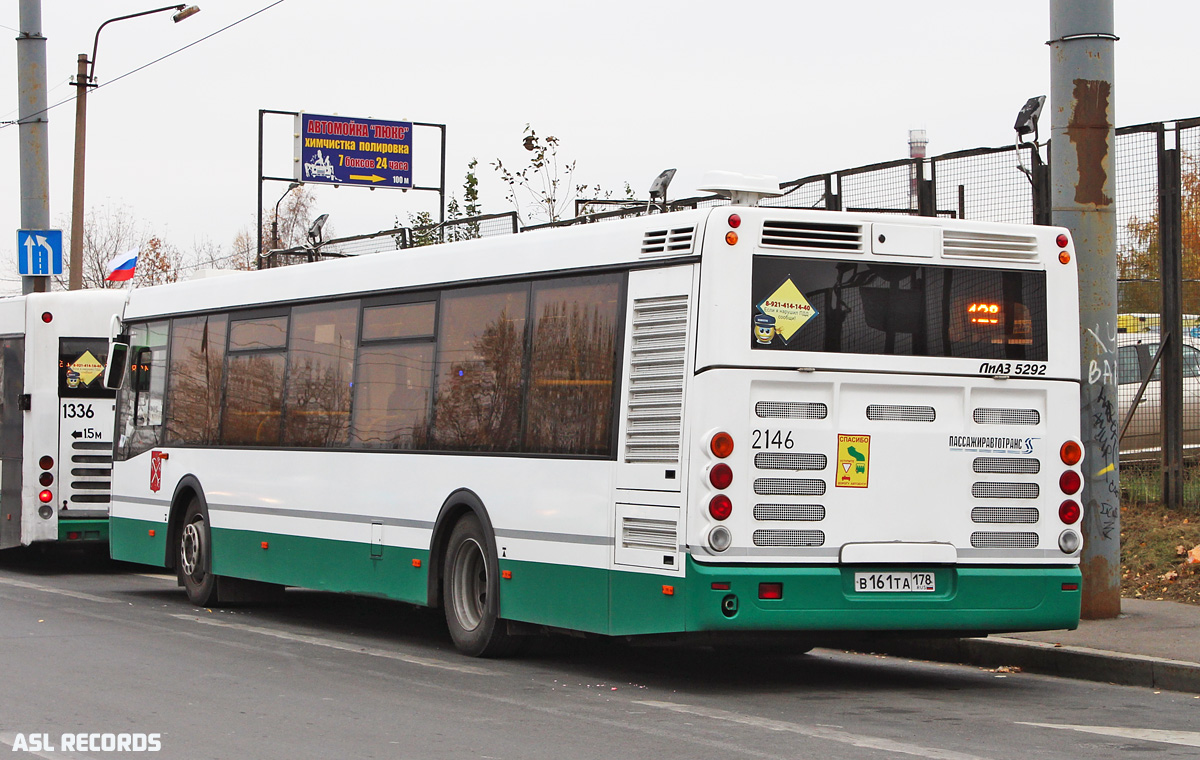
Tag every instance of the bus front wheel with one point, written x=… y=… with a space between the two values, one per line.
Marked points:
x=470 y=594
x=195 y=556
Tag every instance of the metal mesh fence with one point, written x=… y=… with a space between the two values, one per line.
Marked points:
x=985 y=185
x=802 y=193
x=889 y=188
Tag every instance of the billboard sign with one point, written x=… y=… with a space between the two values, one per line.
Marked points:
x=338 y=150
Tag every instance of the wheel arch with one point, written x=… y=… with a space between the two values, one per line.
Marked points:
x=459 y=503
x=186 y=489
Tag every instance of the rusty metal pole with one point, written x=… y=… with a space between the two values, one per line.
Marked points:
x=33 y=135
x=1083 y=199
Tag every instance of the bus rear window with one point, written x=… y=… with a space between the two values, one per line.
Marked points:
x=81 y=368
x=860 y=307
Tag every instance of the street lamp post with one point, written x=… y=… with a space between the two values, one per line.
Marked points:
x=275 y=219
x=84 y=80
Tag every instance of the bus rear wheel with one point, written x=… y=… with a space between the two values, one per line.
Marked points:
x=471 y=594
x=195 y=556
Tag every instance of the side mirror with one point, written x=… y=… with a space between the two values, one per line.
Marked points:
x=118 y=359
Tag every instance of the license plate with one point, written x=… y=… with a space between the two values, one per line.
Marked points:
x=897 y=582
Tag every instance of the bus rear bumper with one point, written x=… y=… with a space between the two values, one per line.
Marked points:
x=966 y=600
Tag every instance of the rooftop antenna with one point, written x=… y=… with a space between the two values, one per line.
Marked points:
x=741 y=189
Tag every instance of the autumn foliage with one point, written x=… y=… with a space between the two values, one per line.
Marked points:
x=1138 y=260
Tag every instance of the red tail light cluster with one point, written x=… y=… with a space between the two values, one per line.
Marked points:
x=46 y=478
x=1071 y=453
x=720 y=475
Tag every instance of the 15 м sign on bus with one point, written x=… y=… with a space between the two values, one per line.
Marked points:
x=342 y=151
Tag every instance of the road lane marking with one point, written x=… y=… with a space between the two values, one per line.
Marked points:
x=10 y=738
x=301 y=638
x=60 y=591
x=815 y=732
x=1183 y=738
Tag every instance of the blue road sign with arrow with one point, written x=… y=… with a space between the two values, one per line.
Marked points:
x=39 y=252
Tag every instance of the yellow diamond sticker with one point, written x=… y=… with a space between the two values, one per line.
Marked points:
x=88 y=367
x=789 y=309
x=853 y=460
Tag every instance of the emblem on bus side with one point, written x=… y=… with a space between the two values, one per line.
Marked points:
x=156 y=458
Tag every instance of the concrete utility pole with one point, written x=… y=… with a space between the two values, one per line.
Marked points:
x=31 y=86
x=1083 y=198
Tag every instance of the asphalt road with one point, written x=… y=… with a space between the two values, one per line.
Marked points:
x=92 y=647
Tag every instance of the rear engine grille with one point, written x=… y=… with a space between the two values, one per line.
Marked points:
x=791 y=410
x=91 y=478
x=1004 y=490
x=676 y=242
x=1004 y=515
x=645 y=533
x=972 y=244
x=659 y=350
x=990 y=540
x=896 y=413
x=789 y=538
x=789 y=487
x=790 y=512
x=1007 y=416
x=785 y=461
x=813 y=236
x=1007 y=465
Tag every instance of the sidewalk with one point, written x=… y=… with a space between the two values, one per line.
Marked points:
x=1154 y=644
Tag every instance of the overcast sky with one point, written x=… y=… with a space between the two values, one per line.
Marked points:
x=785 y=88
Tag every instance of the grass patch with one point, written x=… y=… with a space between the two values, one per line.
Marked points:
x=1155 y=541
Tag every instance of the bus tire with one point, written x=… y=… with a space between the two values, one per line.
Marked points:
x=194 y=563
x=471 y=593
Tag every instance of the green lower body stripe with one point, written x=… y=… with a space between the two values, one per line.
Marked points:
x=712 y=598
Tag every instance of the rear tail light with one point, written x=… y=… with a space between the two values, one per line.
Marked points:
x=1069 y=482
x=1070 y=453
x=46 y=497
x=46 y=478
x=720 y=507
x=721 y=445
x=721 y=476
x=1062 y=240
x=1069 y=511
x=46 y=462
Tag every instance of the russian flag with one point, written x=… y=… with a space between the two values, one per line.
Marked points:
x=121 y=267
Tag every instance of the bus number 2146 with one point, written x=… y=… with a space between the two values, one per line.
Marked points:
x=773 y=439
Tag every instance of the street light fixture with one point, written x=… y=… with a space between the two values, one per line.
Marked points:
x=84 y=80
x=275 y=219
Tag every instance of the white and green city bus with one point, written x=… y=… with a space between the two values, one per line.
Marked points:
x=720 y=421
x=56 y=416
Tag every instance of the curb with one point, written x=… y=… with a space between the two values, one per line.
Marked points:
x=1055 y=660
